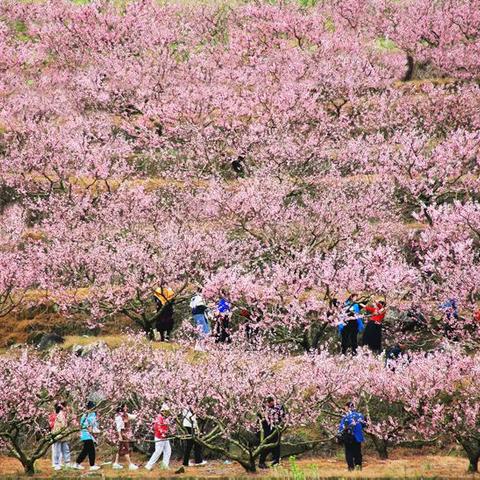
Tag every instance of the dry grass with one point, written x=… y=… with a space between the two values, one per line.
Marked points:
x=404 y=466
x=430 y=466
x=15 y=330
x=113 y=341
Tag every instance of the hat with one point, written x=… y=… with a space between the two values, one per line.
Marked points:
x=223 y=306
x=165 y=408
x=164 y=294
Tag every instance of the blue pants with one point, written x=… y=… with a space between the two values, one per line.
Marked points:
x=61 y=453
x=201 y=321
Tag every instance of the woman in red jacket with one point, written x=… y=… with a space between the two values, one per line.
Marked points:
x=372 y=336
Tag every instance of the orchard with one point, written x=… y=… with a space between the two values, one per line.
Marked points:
x=426 y=397
x=279 y=155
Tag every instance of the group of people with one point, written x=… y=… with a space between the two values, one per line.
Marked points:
x=210 y=322
x=216 y=321
x=62 y=419
x=352 y=323
x=350 y=434
x=356 y=316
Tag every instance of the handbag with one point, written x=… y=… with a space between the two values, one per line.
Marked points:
x=346 y=436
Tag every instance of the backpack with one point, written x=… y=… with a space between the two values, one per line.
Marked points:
x=51 y=420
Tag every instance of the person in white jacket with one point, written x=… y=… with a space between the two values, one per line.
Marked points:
x=122 y=427
x=200 y=313
x=190 y=424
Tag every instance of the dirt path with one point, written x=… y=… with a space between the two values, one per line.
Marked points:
x=407 y=466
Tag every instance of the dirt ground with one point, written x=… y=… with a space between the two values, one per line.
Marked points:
x=399 y=466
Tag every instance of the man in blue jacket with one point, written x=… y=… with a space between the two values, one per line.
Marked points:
x=351 y=433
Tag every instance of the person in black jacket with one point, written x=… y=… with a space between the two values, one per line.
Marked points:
x=222 y=316
x=350 y=325
x=164 y=321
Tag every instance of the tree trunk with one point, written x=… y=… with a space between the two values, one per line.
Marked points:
x=147 y=325
x=472 y=449
x=29 y=467
x=149 y=333
x=27 y=463
x=249 y=465
x=410 y=67
x=473 y=463
x=381 y=447
x=305 y=343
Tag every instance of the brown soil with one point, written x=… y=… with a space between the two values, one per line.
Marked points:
x=399 y=466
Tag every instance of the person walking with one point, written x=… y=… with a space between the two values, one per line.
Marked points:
x=162 y=443
x=372 y=336
x=190 y=424
x=61 y=448
x=199 y=313
x=350 y=433
x=89 y=427
x=124 y=432
x=350 y=325
x=271 y=423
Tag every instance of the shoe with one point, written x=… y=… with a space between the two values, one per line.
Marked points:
x=262 y=465
x=77 y=466
x=117 y=466
x=201 y=464
x=57 y=467
x=132 y=466
x=164 y=467
x=275 y=464
x=94 y=467
x=148 y=467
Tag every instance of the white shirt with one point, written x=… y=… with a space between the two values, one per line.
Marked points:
x=120 y=424
x=189 y=419
x=196 y=301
